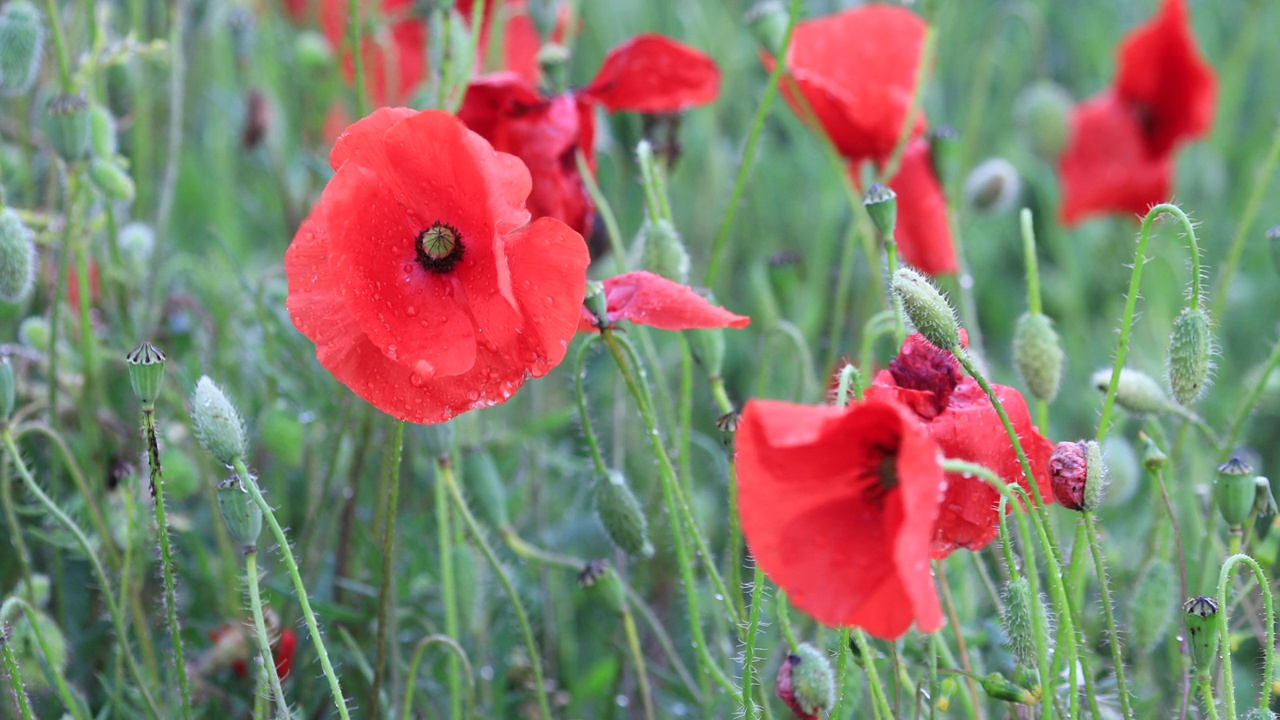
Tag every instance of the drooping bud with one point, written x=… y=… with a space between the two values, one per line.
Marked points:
x=1019 y=623
x=620 y=514
x=17 y=258
x=597 y=303
x=994 y=186
x=806 y=682
x=947 y=689
x=7 y=390
x=1264 y=501
x=1235 y=491
x=881 y=203
x=241 y=514
x=944 y=152
x=1202 y=620
x=483 y=481
x=927 y=309
x=21 y=46
x=102 y=132
x=282 y=434
x=1190 y=355
x=662 y=252
x=1043 y=111
x=66 y=124
x=602 y=579
x=1137 y=391
x=111 y=179
x=1151 y=613
x=1078 y=474
x=1037 y=352
x=217 y=424
x=768 y=23
x=146 y=373
x=998 y=688
x=1153 y=458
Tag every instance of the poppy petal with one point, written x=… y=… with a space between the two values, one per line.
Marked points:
x=549 y=263
x=654 y=74
x=363 y=139
x=1106 y=167
x=924 y=229
x=645 y=298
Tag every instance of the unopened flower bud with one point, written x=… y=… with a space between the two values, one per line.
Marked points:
x=1153 y=458
x=662 y=252
x=241 y=514
x=602 y=579
x=66 y=124
x=1037 y=352
x=881 y=203
x=1043 y=111
x=146 y=373
x=1235 y=491
x=437 y=440
x=21 y=45
x=111 y=179
x=7 y=389
x=994 y=186
x=620 y=514
x=928 y=310
x=1202 y=620
x=313 y=51
x=1151 y=613
x=102 y=132
x=944 y=152
x=485 y=489
x=1019 y=623
x=1137 y=391
x=998 y=688
x=597 y=303
x=806 y=682
x=1258 y=714
x=217 y=424
x=1264 y=501
x=947 y=690
x=17 y=258
x=768 y=23
x=1078 y=475
x=1190 y=355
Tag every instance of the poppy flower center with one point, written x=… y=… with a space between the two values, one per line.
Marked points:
x=439 y=248
x=924 y=367
x=888 y=471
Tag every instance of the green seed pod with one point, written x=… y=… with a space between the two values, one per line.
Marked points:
x=1190 y=355
x=7 y=390
x=1042 y=112
x=1264 y=501
x=21 y=46
x=38 y=594
x=17 y=258
x=1151 y=613
x=993 y=187
x=1153 y=458
x=768 y=23
x=1235 y=491
x=597 y=303
x=66 y=124
x=1037 y=351
x=217 y=424
x=26 y=648
x=1019 y=624
x=102 y=132
x=881 y=203
x=806 y=682
x=146 y=373
x=241 y=514
x=1137 y=392
x=485 y=489
x=620 y=514
x=1202 y=619
x=603 y=582
x=927 y=308
x=111 y=179
x=998 y=688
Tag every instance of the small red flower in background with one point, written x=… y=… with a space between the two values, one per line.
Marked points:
x=838 y=507
x=960 y=417
x=520 y=39
x=1120 y=155
x=923 y=232
x=73 y=285
x=648 y=299
x=393 y=48
x=649 y=73
x=231 y=646
x=419 y=276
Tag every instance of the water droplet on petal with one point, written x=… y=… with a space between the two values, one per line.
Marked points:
x=421 y=373
x=411 y=311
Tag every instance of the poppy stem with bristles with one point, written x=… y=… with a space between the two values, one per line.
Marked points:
x=260 y=629
x=1268 y=649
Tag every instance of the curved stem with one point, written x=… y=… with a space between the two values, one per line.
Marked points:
x=456 y=650
x=1269 y=649
x=580 y=393
x=879 y=697
x=260 y=628
x=1108 y=612
x=385 y=586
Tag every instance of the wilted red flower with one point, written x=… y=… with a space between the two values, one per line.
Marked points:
x=648 y=299
x=232 y=646
x=1120 y=154
x=419 y=276
x=923 y=231
x=960 y=417
x=649 y=73
x=838 y=507
x=393 y=50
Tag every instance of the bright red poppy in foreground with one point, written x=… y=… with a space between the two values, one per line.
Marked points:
x=648 y=299
x=419 y=277
x=960 y=417
x=1120 y=155
x=649 y=74
x=838 y=507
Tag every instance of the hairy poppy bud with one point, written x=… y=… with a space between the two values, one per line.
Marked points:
x=1258 y=714
x=806 y=682
x=1264 y=501
x=944 y=152
x=1190 y=355
x=241 y=514
x=768 y=23
x=1137 y=392
x=102 y=131
x=7 y=390
x=1078 y=474
x=146 y=373
x=1153 y=458
x=602 y=579
x=1019 y=623
x=998 y=688
x=217 y=424
x=484 y=487
x=111 y=179
x=17 y=258
x=1201 y=617
x=1235 y=491
x=21 y=45
x=34 y=333
x=881 y=203
x=1151 y=613
x=662 y=252
x=620 y=514
x=66 y=124
x=927 y=309
x=994 y=186
x=597 y=303
x=1037 y=351
x=313 y=51
x=1042 y=112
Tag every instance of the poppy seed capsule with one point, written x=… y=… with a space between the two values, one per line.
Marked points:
x=483 y=481
x=218 y=426
x=1078 y=475
x=241 y=514
x=146 y=373
x=881 y=203
x=1037 y=351
x=21 y=45
x=17 y=258
x=1235 y=491
x=620 y=514
x=806 y=682
x=1151 y=613
x=1019 y=623
x=602 y=580
x=1190 y=355
x=1137 y=391
x=994 y=186
x=66 y=125
x=597 y=303
x=1042 y=111
x=1153 y=458
x=662 y=252
x=927 y=309
x=1200 y=614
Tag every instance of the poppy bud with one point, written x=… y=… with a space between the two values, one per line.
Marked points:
x=484 y=487
x=146 y=373
x=241 y=514
x=1258 y=714
x=102 y=132
x=1235 y=491
x=597 y=303
x=1078 y=474
x=545 y=14
x=438 y=439
x=282 y=435
x=998 y=688
x=603 y=581
x=927 y=309
x=217 y=424
x=1019 y=623
x=1151 y=613
x=806 y=682
x=1264 y=502
x=994 y=186
x=17 y=258
x=1202 y=619
x=1153 y=458
x=111 y=179
x=7 y=394
x=66 y=124
x=1190 y=353
x=312 y=51
x=1042 y=112
x=1037 y=351
x=21 y=46
x=946 y=690
x=620 y=514
x=1137 y=392
x=944 y=152
x=881 y=203
x=662 y=252
x=768 y=23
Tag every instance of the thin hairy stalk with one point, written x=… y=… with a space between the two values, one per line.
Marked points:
x=611 y=227
x=11 y=670
x=749 y=674
x=69 y=701
x=637 y=657
x=842 y=672
x=1246 y=224
x=386 y=585
x=879 y=698
x=59 y=47
x=457 y=653
x=11 y=520
x=1206 y=694
x=736 y=541
x=448 y=583
x=781 y=609
x=1251 y=400
x=1108 y=613
x=1268 y=649
x=260 y=628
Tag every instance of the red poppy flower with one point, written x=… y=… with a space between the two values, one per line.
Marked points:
x=648 y=299
x=419 y=277
x=838 y=507
x=393 y=49
x=231 y=645
x=965 y=425
x=649 y=73
x=923 y=230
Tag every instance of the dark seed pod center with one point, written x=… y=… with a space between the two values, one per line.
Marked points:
x=439 y=248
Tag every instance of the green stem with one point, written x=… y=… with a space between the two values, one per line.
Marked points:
x=260 y=627
x=749 y=710
x=637 y=656
x=59 y=46
x=357 y=59
x=611 y=228
x=1108 y=612
x=1206 y=694
x=1032 y=263
x=580 y=393
x=899 y=327
x=1246 y=224
x=16 y=690
x=1237 y=424
x=1268 y=604
x=473 y=46
x=457 y=653
x=448 y=587
x=386 y=586
x=780 y=609
x=15 y=528
x=75 y=707
x=879 y=697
